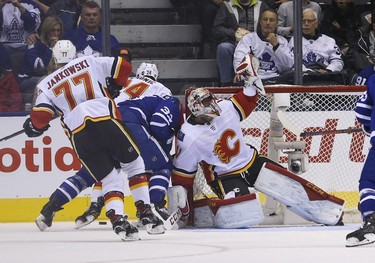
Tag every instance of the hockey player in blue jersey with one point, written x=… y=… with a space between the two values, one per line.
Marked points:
x=153 y=121
x=365 y=114
x=362 y=77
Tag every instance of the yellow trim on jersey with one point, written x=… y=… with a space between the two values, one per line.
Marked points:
x=239 y=107
x=138 y=185
x=115 y=198
x=248 y=165
x=219 y=183
x=44 y=109
x=80 y=128
x=117 y=69
x=185 y=175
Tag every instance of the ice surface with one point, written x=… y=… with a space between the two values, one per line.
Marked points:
x=23 y=242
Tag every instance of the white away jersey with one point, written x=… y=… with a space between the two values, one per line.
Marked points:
x=272 y=63
x=142 y=87
x=220 y=146
x=77 y=90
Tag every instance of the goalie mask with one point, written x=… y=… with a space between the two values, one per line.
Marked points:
x=64 y=51
x=202 y=102
x=147 y=70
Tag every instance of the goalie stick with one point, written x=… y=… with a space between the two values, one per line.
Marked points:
x=349 y=130
x=172 y=220
x=12 y=135
x=295 y=130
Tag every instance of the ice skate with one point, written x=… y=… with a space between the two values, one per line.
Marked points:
x=45 y=218
x=91 y=214
x=153 y=224
x=122 y=227
x=363 y=236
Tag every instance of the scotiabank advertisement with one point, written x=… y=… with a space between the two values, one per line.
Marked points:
x=34 y=167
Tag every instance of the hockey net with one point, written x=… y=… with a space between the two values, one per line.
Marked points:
x=335 y=160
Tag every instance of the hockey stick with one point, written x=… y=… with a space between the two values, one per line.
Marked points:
x=350 y=130
x=12 y=135
x=172 y=220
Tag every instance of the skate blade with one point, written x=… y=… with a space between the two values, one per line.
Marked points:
x=80 y=223
x=40 y=224
x=155 y=230
x=130 y=237
x=354 y=242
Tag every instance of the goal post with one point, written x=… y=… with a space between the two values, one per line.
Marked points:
x=334 y=160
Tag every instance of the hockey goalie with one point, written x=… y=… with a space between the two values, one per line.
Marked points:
x=211 y=138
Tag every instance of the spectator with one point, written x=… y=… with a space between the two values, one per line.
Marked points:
x=38 y=55
x=361 y=53
x=88 y=38
x=270 y=49
x=275 y=4
x=285 y=12
x=68 y=11
x=233 y=20
x=207 y=12
x=340 y=22
x=19 y=19
x=320 y=52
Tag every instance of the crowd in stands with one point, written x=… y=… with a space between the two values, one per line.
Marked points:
x=338 y=38
x=29 y=30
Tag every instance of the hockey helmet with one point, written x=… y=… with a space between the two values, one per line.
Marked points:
x=64 y=51
x=202 y=102
x=147 y=70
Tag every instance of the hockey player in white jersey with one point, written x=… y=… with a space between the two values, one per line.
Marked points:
x=76 y=91
x=212 y=138
x=149 y=134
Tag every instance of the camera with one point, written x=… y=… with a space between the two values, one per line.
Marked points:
x=297 y=162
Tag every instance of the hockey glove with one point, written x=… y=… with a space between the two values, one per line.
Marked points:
x=113 y=88
x=248 y=70
x=32 y=131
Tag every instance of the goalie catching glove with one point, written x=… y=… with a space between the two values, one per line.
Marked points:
x=32 y=131
x=248 y=71
x=113 y=87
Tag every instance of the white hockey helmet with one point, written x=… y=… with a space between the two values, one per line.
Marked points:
x=202 y=102
x=148 y=70
x=64 y=51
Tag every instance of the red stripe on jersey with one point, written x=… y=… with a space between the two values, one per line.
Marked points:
x=98 y=186
x=113 y=196
x=245 y=104
x=40 y=117
x=123 y=71
x=180 y=179
x=138 y=181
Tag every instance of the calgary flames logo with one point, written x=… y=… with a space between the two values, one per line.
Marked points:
x=222 y=148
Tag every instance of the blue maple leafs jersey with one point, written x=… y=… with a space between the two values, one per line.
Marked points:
x=159 y=115
x=364 y=108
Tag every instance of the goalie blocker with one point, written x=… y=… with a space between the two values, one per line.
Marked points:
x=297 y=194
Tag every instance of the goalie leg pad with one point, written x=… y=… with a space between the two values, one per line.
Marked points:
x=238 y=212
x=300 y=196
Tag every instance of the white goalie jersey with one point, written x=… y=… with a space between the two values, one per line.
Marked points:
x=219 y=149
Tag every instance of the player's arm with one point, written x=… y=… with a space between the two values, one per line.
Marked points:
x=40 y=116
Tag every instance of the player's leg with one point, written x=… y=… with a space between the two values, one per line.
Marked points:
x=138 y=180
x=366 y=234
x=299 y=195
x=94 y=147
x=67 y=191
